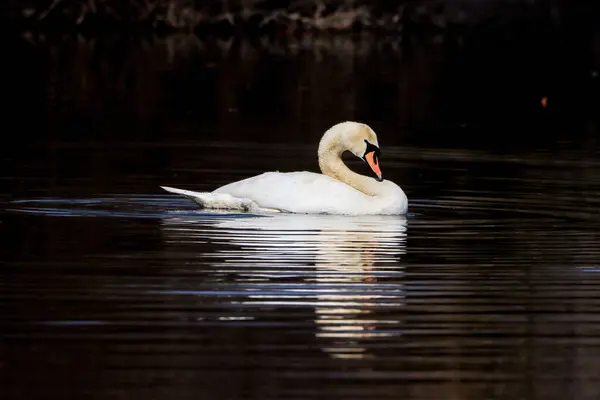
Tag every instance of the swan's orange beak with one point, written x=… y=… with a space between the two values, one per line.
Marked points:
x=373 y=161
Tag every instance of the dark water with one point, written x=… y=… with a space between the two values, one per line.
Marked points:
x=110 y=288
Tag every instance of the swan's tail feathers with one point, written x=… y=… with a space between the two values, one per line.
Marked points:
x=219 y=201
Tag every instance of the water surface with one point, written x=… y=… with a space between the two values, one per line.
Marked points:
x=111 y=288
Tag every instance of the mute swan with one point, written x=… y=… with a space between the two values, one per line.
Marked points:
x=338 y=190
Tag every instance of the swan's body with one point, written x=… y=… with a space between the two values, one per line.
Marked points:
x=338 y=190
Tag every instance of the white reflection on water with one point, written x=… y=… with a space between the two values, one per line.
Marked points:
x=339 y=265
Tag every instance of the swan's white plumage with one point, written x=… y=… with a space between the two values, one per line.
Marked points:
x=312 y=193
x=219 y=201
x=308 y=193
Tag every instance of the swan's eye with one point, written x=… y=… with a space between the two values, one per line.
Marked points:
x=372 y=148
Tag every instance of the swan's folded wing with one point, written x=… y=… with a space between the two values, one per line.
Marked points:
x=298 y=192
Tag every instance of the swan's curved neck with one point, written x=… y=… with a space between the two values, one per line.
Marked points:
x=331 y=164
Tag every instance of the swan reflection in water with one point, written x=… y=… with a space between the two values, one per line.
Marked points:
x=338 y=265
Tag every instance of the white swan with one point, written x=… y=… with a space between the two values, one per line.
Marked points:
x=338 y=190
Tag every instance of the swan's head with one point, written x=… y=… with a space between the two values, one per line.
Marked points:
x=357 y=138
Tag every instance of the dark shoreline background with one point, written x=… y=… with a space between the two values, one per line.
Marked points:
x=287 y=17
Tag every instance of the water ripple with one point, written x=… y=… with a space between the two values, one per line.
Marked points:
x=460 y=285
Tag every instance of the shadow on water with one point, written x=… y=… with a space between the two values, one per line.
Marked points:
x=111 y=288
